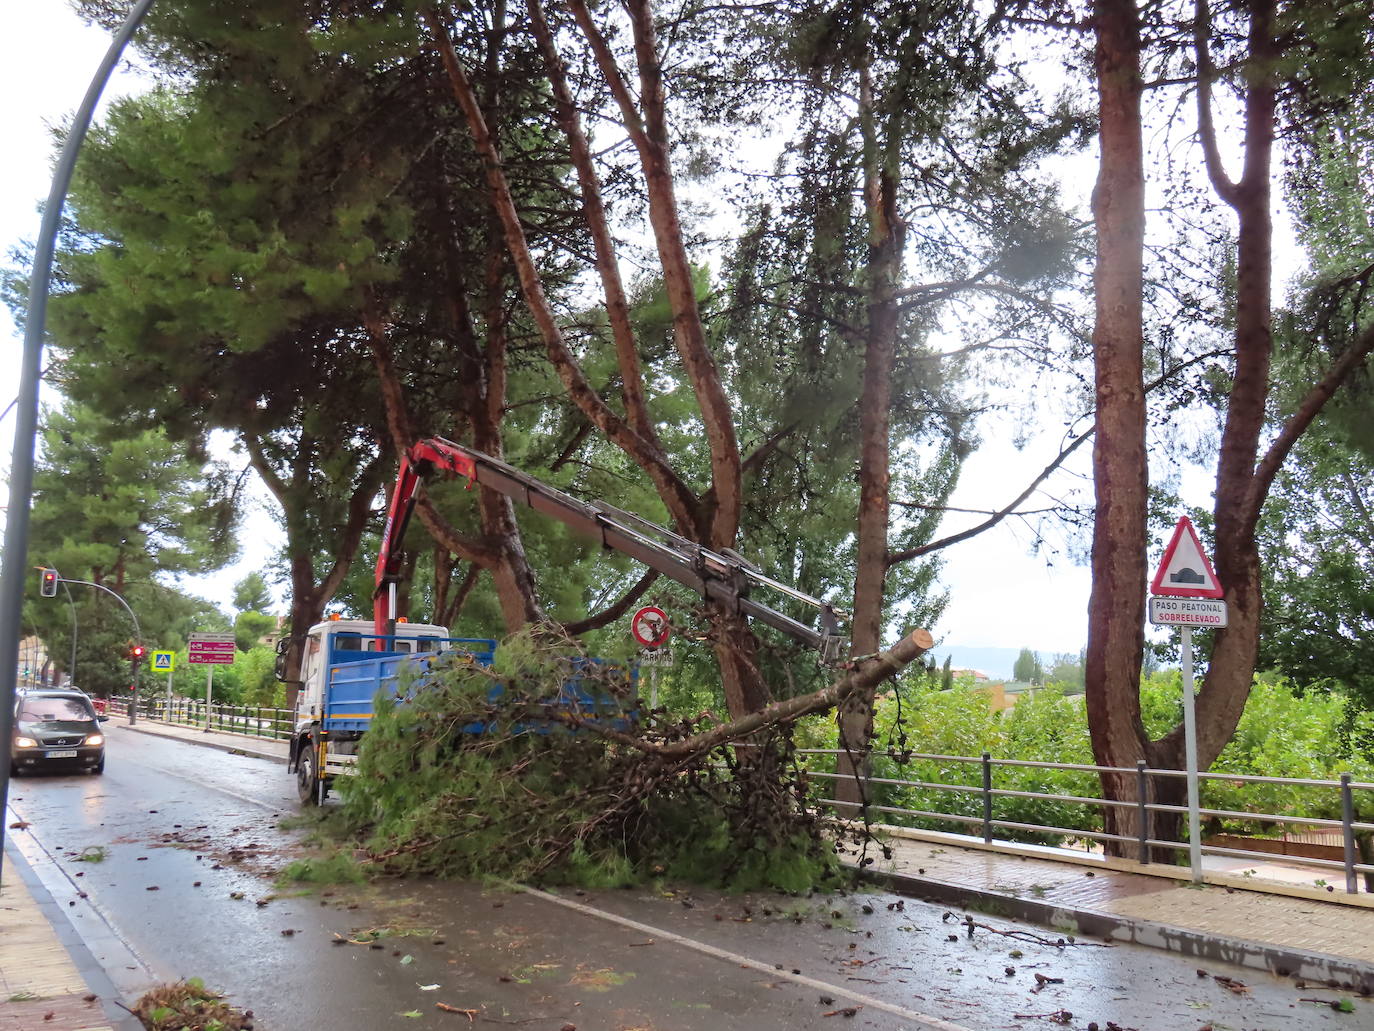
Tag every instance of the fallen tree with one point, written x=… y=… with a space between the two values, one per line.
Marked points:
x=543 y=767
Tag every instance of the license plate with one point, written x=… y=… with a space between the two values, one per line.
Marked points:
x=69 y=753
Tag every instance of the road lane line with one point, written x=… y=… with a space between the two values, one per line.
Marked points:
x=923 y=1020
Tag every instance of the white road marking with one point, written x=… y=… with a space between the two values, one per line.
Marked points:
x=923 y=1021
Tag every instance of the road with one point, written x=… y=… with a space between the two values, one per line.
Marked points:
x=166 y=865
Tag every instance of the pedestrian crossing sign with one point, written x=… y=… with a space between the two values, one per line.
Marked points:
x=163 y=662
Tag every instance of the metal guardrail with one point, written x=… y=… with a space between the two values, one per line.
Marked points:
x=250 y=720
x=277 y=724
x=987 y=793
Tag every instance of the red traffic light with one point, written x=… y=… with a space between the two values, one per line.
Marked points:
x=48 y=583
x=136 y=651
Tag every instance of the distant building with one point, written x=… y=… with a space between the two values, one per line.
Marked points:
x=1003 y=694
x=33 y=669
x=978 y=675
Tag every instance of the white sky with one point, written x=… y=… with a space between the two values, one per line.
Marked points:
x=1001 y=595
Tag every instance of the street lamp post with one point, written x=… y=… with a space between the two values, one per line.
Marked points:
x=26 y=421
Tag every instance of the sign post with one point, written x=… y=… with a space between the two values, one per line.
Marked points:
x=651 y=629
x=211 y=650
x=159 y=662
x=1187 y=594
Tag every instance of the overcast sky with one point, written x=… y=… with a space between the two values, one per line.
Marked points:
x=1001 y=596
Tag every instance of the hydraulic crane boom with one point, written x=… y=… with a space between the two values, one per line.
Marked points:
x=722 y=577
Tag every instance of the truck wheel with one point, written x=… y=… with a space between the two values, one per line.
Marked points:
x=307 y=782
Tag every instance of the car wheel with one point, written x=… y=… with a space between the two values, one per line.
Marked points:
x=307 y=783
x=99 y=767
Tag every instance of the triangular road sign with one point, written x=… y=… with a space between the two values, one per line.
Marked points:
x=1185 y=571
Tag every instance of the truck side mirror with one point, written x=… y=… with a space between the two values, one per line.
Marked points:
x=284 y=651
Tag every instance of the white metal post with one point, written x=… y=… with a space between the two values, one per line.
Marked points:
x=169 y=696
x=209 y=681
x=1190 y=757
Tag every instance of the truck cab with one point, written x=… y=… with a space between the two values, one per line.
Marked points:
x=347 y=640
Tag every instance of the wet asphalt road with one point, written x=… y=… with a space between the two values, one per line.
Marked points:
x=190 y=840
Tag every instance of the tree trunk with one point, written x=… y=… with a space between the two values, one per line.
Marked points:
x=736 y=649
x=1116 y=607
x=885 y=243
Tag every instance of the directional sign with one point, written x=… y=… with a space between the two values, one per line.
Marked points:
x=1185 y=571
x=650 y=626
x=1201 y=612
x=163 y=662
x=211 y=648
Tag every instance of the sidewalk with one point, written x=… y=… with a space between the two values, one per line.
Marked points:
x=236 y=744
x=1282 y=928
x=48 y=980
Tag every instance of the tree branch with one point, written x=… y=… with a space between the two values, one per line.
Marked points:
x=1302 y=417
x=944 y=542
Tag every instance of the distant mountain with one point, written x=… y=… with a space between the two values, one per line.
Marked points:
x=997 y=663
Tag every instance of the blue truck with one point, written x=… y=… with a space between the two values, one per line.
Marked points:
x=346 y=667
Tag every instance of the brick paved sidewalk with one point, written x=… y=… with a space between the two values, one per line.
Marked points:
x=42 y=987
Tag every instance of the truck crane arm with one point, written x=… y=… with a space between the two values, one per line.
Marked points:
x=723 y=577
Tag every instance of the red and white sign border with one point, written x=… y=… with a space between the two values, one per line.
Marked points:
x=640 y=627
x=1157 y=586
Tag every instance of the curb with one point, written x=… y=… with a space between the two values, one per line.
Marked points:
x=232 y=749
x=1282 y=961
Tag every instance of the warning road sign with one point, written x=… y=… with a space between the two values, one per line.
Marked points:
x=163 y=662
x=1185 y=571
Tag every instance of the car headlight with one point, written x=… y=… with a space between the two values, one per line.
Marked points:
x=25 y=742
x=96 y=739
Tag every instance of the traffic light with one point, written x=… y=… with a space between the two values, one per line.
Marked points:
x=136 y=652
x=48 y=582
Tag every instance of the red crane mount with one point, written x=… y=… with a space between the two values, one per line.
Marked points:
x=723 y=577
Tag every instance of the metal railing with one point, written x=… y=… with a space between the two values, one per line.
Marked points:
x=980 y=809
x=251 y=720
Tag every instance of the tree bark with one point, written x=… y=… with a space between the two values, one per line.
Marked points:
x=886 y=239
x=1116 y=606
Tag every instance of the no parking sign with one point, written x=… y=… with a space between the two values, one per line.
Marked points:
x=650 y=626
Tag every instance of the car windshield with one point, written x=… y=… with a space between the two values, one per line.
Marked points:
x=54 y=710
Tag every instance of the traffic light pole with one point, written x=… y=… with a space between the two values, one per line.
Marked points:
x=138 y=636
x=26 y=410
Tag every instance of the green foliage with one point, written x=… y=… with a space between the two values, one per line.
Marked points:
x=189 y=1006
x=251 y=594
x=118 y=507
x=333 y=868
x=250 y=628
x=1285 y=732
x=480 y=773
x=249 y=680
x=1028 y=668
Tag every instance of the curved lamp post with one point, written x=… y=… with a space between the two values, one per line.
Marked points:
x=26 y=424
